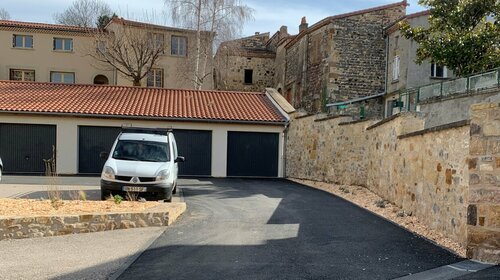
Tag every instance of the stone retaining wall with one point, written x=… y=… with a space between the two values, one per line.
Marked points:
x=484 y=193
x=41 y=226
x=424 y=173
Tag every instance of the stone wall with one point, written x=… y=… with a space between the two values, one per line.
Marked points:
x=484 y=194
x=422 y=171
x=42 y=226
x=233 y=75
x=456 y=107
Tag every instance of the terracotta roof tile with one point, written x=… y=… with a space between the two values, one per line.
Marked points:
x=31 y=26
x=121 y=101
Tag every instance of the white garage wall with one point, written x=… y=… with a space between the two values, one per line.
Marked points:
x=67 y=136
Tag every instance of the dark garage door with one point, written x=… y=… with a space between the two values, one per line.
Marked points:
x=196 y=147
x=23 y=147
x=252 y=154
x=92 y=140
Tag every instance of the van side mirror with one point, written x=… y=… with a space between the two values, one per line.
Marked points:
x=104 y=155
x=180 y=159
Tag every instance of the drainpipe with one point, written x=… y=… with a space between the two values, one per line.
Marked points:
x=385 y=72
x=285 y=134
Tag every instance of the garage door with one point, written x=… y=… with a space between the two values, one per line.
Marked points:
x=23 y=147
x=92 y=140
x=252 y=154
x=196 y=147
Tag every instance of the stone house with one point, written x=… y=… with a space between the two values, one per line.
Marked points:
x=59 y=53
x=246 y=64
x=402 y=70
x=339 y=58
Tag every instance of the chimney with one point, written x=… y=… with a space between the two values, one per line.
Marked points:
x=283 y=30
x=303 y=24
x=257 y=33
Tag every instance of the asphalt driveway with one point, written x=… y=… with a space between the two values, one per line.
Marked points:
x=264 y=229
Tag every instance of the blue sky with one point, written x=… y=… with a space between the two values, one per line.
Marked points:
x=268 y=17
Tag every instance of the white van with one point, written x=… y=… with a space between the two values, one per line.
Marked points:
x=143 y=162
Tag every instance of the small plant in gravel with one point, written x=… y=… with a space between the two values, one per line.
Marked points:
x=132 y=196
x=380 y=203
x=118 y=199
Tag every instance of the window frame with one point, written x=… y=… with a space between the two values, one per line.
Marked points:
x=153 y=71
x=63 y=44
x=63 y=73
x=396 y=71
x=23 y=71
x=24 y=36
x=435 y=67
x=154 y=39
x=178 y=37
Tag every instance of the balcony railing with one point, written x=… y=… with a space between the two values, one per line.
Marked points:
x=409 y=99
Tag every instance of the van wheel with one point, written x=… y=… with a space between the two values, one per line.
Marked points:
x=168 y=196
x=104 y=195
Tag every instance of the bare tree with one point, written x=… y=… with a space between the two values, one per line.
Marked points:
x=222 y=19
x=84 y=13
x=4 y=15
x=128 y=47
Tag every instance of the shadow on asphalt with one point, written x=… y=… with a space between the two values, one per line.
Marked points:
x=335 y=239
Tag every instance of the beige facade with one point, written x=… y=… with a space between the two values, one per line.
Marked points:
x=174 y=71
x=67 y=136
x=43 y=60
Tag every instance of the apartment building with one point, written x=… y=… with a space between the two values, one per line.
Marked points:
x=60 y=54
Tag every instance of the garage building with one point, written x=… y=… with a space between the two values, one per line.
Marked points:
x=221 y=134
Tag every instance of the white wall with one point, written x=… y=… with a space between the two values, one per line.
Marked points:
x=67 y=136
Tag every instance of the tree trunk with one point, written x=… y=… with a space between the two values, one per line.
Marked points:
x=198 y=43
x=137 y=83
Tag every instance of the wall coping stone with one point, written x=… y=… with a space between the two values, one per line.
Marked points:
x=331 y=118
x=491 y=91
x=357 y=121
x=436 y=129
x=305 y=116
x=386 y=120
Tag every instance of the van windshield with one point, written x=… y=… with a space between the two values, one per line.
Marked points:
x=141 y=151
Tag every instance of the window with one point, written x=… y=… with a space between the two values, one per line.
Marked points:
x=438 y=71
x=22 y=41
x=395 y=68
x=101 y=46
x=248 y=76
x=179 y=46
x=63 y=44
x=155 y=78
x=62 y=77
x=22 y=75
x=158 y=39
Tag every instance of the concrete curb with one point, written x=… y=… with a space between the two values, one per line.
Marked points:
x=48 y=225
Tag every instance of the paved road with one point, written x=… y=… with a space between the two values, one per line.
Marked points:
x=79 y=256
x=257 y=229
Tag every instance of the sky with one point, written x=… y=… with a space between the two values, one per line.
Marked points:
x=268 y=16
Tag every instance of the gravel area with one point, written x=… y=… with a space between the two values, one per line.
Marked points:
x=366 y=199
x=32 y=207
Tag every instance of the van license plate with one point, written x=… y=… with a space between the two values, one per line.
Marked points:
x=134 y=189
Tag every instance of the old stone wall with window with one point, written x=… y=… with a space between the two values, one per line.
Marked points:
x=245 y=64
x=339 y=58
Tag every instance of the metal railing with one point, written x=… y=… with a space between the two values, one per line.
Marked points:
x=409 y=99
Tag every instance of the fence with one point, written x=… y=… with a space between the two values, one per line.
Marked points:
x=409 y=99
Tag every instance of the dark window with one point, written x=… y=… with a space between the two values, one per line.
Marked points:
x=22 y=75
x=438 y=71
x=155 y=78
x=248 y=76
x=101 y=80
